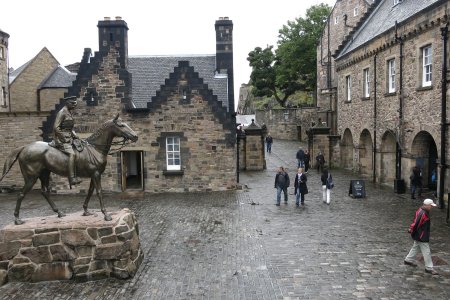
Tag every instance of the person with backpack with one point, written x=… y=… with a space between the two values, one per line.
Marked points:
x=327 y=185
x=281 y=184
x=420 y=233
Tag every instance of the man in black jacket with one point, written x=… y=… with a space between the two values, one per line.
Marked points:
x=420 y=232
x=281 y=184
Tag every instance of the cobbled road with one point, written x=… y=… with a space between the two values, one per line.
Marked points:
x=239 y=245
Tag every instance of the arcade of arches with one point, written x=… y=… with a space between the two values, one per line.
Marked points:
x=359 y=157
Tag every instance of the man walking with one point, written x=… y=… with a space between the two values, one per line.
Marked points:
x=281 y=184
x=420 y=232
x=300 y=158
x=269 y=141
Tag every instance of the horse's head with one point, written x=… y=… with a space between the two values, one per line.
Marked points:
x=123 y=130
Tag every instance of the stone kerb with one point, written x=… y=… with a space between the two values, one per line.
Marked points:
x=74 y=247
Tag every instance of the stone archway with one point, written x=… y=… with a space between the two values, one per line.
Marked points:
x=424 y=154
x=365 y=153
x=347 y=150
x=387 y=158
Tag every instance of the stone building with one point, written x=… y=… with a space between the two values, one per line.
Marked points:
x=342 y=21
x=4 y=67
x=182 y=108
x=392 y=93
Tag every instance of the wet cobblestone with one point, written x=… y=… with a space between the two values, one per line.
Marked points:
x=239 y=245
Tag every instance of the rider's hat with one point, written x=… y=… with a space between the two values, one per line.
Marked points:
x=70 y=99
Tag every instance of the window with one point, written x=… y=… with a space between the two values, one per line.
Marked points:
x=355 y=11
x=173 y=153
x=348 y=82
x=2 y=53
x=336 y=20
x=426 y=66
x=366 y=87
x=391 y=76
x=3 y=97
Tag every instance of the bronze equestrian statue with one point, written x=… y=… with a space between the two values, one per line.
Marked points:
x=39 y=159
x=64 y=135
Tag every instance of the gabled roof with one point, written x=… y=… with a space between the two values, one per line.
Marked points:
x=382 y=19
x=60 y=77
x=15 y=73
x=149 y=73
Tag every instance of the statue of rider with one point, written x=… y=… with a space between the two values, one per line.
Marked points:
x=64 y=135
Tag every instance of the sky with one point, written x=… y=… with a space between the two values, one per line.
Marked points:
x=174 y=27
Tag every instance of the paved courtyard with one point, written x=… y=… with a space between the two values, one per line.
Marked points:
x=239 y=245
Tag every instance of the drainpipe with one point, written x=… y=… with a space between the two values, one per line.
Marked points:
x=444 y=31
x=398 y=171
x=374 y=175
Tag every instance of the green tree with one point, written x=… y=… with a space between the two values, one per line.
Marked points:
x=292 y=66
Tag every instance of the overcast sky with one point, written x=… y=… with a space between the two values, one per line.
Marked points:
x=155 y=27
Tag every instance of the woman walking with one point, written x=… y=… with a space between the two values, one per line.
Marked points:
x=327 y=185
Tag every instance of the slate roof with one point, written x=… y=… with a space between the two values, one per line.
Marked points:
x=60 y=77
x=150 y=72
x=13 y=74
x=383 y=18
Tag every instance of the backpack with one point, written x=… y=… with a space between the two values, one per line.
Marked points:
x=330 y=183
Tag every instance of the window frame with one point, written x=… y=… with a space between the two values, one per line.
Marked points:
x=391 y=74
x=427 y=65
x=173 y=153
x=336 y=20
x=3 y=102
x=366 y=84
x=348 y=88
x=355 y=11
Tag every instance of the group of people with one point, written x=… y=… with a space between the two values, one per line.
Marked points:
x=282 y=182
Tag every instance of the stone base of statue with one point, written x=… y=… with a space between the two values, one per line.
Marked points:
x=74 y=247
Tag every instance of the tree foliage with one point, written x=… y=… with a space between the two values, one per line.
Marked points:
x=292 y=66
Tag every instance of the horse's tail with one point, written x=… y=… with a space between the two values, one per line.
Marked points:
x=10 y=160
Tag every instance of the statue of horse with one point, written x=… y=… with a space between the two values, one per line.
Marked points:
x=39 y=159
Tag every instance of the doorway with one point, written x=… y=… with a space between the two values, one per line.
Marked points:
x=132 y=170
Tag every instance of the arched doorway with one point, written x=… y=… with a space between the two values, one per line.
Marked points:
x=365 y=153
x=347 y=150
x=387 y=158
x=424 y=152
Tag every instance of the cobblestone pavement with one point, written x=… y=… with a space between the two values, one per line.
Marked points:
x=239 y=245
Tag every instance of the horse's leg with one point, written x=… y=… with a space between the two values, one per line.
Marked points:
x=88 y=197
x=98 y=187
x=29 y=182
x=45 y=191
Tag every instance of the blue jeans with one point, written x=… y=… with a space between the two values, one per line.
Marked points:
x=279 y=189
x=299 y=196
x=269 y=147
x=301 y=163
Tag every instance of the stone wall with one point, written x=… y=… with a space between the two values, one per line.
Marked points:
x=49 y=97
x=4 y=81
x=17 y=130
x=72 y=247
x=287 y=124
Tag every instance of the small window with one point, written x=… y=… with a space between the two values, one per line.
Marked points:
x=355 y=11
x=173 y=153
x=391 y=76
x=3 y=97
x=426 y=66
x=348 y=90
x=2 y=53
x=366 y=87
x=336 y=20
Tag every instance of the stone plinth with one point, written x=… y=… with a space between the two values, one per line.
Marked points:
x=73 y=247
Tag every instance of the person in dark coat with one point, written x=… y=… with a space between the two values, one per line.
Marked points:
x=420 y=233
x=281 y=184
x=300 y=187
x=416 y=182
x=320 y=161
x=300 y=158
x=307 y=160
x=269 y=142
